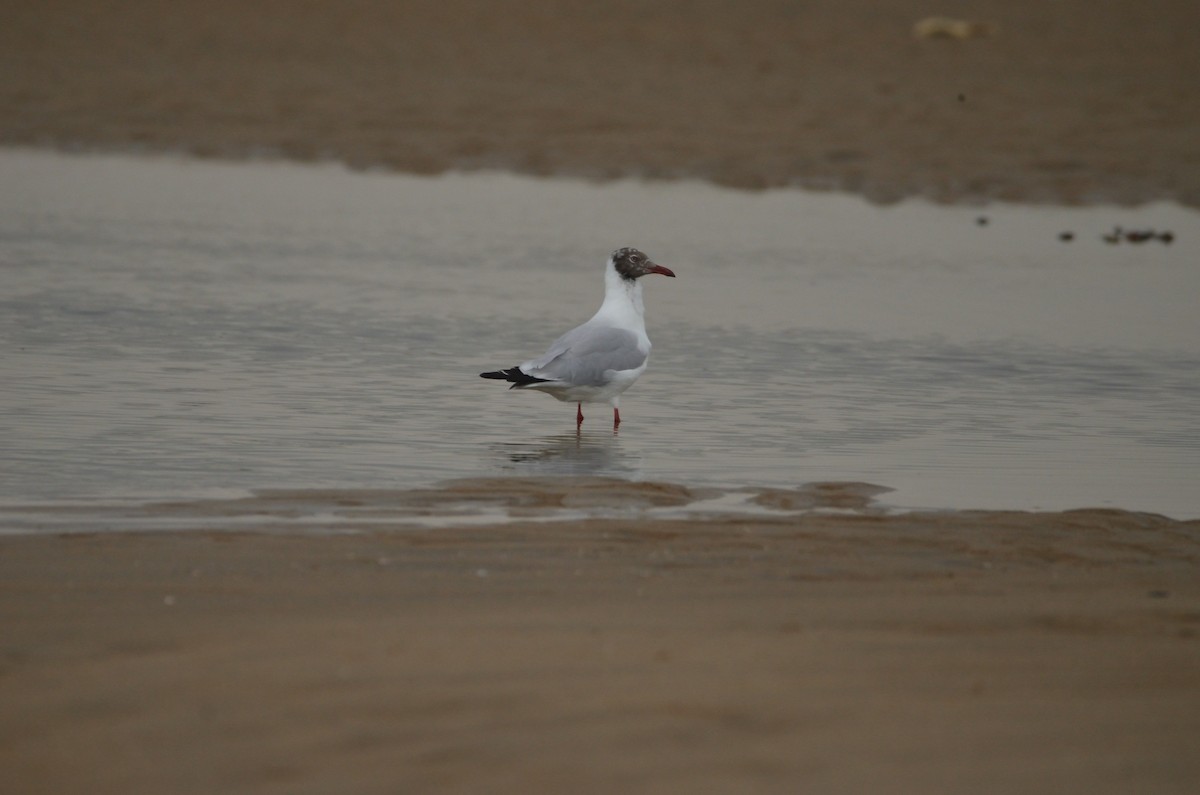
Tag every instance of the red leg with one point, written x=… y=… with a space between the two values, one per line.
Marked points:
x=616 y=417
x=578 y=414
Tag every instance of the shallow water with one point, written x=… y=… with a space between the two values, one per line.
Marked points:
x=175 y=328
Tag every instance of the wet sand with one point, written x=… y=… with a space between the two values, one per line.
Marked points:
x=976 y=652
x=822 y=646
x=1056 y=102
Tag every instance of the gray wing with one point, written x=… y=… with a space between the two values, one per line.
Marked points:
x=583 y=355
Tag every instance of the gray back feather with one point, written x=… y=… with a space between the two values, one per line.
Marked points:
x=582 y=356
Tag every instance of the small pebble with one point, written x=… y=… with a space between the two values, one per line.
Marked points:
x=1066 y=237
x=982 y=220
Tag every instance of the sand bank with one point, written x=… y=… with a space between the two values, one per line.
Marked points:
x=1056 y=102
x=843 y=651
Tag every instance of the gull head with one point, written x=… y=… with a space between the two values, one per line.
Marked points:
x=632 y=264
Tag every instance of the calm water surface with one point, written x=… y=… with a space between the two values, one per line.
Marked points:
x=174 y=328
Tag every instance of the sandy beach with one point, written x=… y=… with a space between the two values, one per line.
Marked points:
x=977 y=652
x=1051 y=102
x=817 y=645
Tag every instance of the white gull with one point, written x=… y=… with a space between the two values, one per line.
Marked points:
x=597 y=361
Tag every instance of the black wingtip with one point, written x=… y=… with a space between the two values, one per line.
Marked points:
x=514 y=376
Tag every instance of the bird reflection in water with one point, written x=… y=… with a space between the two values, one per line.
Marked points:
x=577 y=453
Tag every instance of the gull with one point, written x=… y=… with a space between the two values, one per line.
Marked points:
x=597 y=361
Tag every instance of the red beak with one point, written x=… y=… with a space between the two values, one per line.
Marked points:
x=663 y=271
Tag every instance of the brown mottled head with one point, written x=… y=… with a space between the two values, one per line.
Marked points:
x=631 y=264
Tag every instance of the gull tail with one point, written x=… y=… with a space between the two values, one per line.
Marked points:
x=515 y=376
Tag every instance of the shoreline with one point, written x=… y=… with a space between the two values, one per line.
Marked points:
x=1066 y=104
x=881 y=195
x=827 y=645
x=499 y=503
